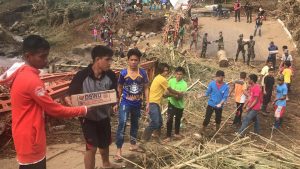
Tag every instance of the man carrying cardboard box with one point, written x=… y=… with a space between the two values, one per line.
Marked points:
x=96 y=125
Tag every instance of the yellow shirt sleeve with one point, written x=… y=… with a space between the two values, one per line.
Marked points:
x=164 y=83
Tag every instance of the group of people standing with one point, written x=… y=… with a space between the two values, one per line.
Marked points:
x=248 y=8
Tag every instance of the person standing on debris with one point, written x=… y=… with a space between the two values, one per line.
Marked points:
x=286 y=57
x=250 y=51
x=280 y=102
x=264 y=72
x=176 y=104
x=181 y=37
x=157 y=89
x=240 y=48
x=237 y=10
x=268 y=87
x=287 y=74
x=194 y=37
x=218 y=92
x=273 y=50
x=258 y=25
x=252 y=105
x=240 y=95
x=248 y=10
x=220 y=41
x=132 y=86
x=30 y=102
x=96 y=126
x=205 y=42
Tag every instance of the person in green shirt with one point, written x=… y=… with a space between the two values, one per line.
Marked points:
x=176 y=103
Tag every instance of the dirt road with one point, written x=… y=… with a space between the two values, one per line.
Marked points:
x=271 y=31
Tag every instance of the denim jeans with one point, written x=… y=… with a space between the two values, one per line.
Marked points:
x=251 y=116
x=156 y=121
x=124 y=112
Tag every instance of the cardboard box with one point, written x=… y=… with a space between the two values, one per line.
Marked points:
x=94 y=98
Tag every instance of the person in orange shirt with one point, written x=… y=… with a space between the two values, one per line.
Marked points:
x=240 y=93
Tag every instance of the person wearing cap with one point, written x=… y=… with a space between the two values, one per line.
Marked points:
x=286 y=57
x=218 y=92
x=220 y=41
x=205 y=42
x=240 y=48
x=250 y=50
x=280 y=101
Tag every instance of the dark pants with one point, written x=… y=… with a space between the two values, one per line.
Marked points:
x=278 y=123
x=251 y=54
x=39 y=165
x=249 y=16
x=273 y=60
x=203 y=52
x=238 y=114
x=238 y=52
x=238 y=15
x=209 y=111
x=266 y=100
x=289 y=87
x=173 y=111
x=257 y=27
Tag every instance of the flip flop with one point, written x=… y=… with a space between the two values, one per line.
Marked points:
x=114 y=166
x=118 y=159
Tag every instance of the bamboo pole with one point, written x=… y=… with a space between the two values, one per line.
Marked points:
x=210 y=154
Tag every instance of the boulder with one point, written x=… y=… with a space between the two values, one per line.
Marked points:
x=120 y=32
x=129 y=35
x=134 y=39
x=143 y=33
x=137 y=33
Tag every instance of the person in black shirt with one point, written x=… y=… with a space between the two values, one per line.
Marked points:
x=268 y=87
x=96 y=126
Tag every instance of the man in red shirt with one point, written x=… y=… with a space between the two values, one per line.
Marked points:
x=252 y=105
x=30 y=102
x=237 y=10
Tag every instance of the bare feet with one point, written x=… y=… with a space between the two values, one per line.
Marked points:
x=167 y=140
x=178 y=136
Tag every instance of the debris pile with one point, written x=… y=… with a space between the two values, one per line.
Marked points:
x=289 y=12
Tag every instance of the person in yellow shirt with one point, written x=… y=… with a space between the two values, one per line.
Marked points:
x=157 y=89
x=287 y=74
